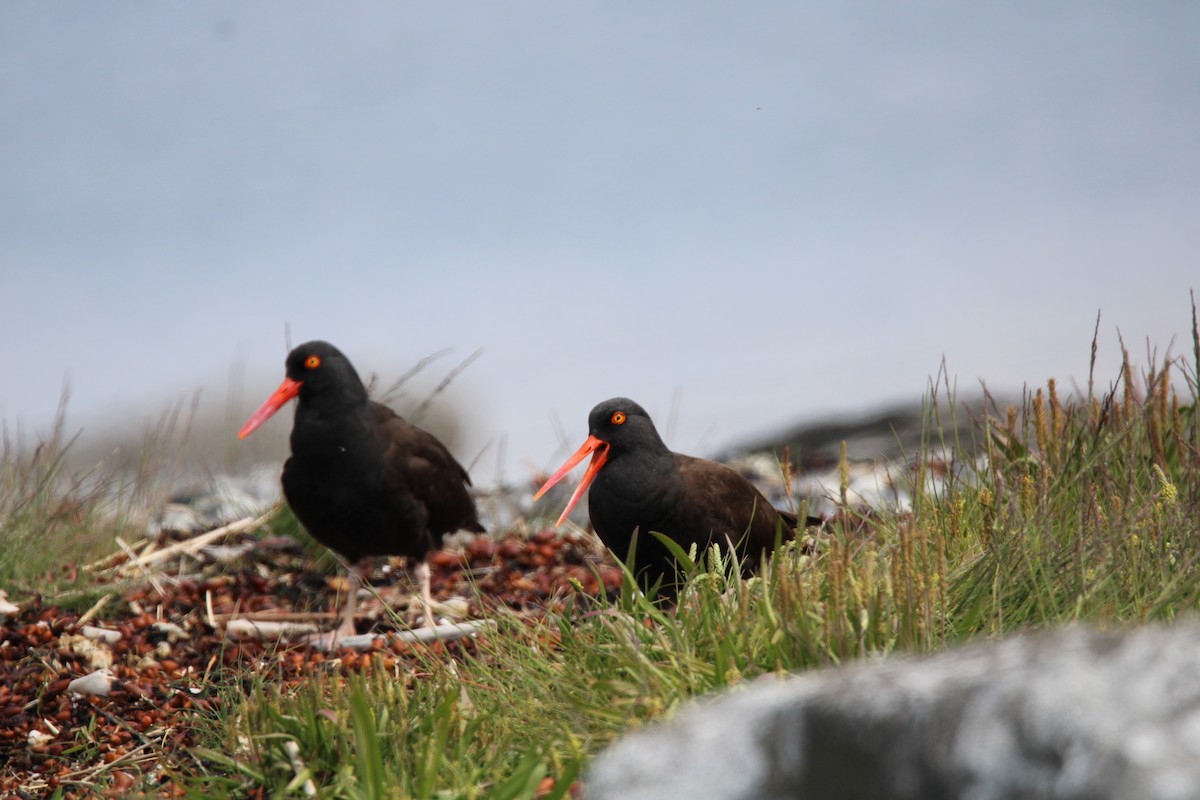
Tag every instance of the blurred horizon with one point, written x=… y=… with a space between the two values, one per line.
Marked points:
x=203 y=434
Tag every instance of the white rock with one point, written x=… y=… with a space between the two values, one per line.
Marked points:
x=98 y=683
x=175 y=517
x=102 y=634
x=7 y=609
x=38 y=738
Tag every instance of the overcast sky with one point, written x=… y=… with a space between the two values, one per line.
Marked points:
x=772 y=211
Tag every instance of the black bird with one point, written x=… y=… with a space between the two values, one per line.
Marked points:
x=360 y=479
x=637 y=484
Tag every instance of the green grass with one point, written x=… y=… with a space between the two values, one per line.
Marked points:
x=1085 y=509
x=56 y=518
x=49 y=517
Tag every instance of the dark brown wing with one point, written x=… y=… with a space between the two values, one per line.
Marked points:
x=433 y=477
x=733 y=506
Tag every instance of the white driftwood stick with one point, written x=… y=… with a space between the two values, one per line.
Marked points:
x=90 y=614
x=212 y=620
x=359 y=642
x=443 y=633
x=242 y=628
x=107 y=562
x=136 y=562
x=195 y=543
x=265 y=629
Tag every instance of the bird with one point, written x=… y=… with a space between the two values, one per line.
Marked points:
x=639 y=485
x=361 y=480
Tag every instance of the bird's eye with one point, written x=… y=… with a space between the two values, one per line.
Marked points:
x=312 y=362
x=618 y=418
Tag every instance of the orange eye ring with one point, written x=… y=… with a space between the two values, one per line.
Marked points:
x=618 y=418
x=312 y=362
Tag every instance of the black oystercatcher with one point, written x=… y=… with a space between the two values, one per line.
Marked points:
x=638 y=484
x=361 y=480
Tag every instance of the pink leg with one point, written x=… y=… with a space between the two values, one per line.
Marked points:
x=329 y=639
x=422 y=572
x=354 y=578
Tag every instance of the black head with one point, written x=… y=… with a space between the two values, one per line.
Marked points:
x=323 y=370
x=624 y=425
x=322 y=377
x=615 y=427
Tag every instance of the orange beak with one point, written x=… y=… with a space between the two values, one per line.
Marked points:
x=286 y=391
x=599 y=451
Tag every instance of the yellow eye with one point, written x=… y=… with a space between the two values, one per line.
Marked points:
x=312 y=362
x=618 y=418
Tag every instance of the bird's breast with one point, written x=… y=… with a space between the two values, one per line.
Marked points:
x=618 y=483
x=629 y=496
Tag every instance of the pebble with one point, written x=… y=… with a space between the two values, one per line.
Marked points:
x=7 y=608
x=38 y=739
x=98 y=683
x=219 y=501
x=102 y=634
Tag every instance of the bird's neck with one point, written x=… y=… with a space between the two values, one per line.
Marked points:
x=324 y=427
x=633 y=471
x=648 y=450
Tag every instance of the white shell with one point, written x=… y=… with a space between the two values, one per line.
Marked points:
x=98 y=683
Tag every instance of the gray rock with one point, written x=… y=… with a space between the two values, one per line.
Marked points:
x=218 y=500
x=898 y=432
x=1071 y=713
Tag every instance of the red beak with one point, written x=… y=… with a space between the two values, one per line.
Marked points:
x=286 y=391
x=599 y=451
